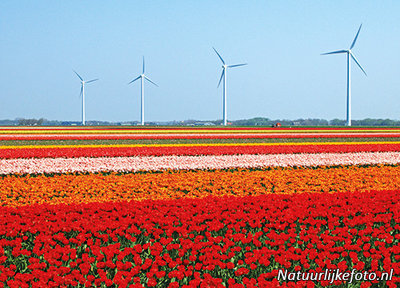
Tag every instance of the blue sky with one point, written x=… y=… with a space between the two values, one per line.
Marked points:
x=41 y=42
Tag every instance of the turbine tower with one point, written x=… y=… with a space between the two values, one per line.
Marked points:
x=349 y=54
x=82 y=94
x=223 y=75
x=142 y=77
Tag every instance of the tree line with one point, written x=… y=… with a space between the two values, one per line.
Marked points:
x=258 y=121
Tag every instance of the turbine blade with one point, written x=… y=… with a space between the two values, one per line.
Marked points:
x=355 y=39
x=91 y=81
x=220 y=79
x=219 y=56
x=134 y=80
x=80 y=94
x=359 y=65
x=147 y=78
x=236 y=65
x=78 y=75
x=335 y=52
x=143 y=65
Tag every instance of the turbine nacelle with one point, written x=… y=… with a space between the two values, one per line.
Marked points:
x=143 y=76
x=349 y=52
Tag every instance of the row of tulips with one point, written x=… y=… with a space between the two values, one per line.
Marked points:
x=69 y=151
x=218 y=242
x=36 y=137
x=73 y=188
x=153 y=163
x=142 y=129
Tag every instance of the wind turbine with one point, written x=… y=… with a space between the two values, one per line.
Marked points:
x=142 y=77
x=349 y=54
x=82 y=94
x=223 y=75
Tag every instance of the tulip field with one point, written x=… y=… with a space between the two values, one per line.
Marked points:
x=198 y=207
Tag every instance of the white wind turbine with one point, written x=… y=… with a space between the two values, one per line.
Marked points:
x=223 y=75
x=142 y=77
x=349 y=54
x=82 y=94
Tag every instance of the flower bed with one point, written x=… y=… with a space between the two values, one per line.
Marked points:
x=69 y=151
x=32 y=137
x=218 y=242
x=18 y=190
x=197 y=215
x=148 y=163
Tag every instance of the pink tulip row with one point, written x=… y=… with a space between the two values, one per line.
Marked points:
x=145 y=163
x=191 y=136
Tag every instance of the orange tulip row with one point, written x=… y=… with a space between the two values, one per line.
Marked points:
x=21 y=190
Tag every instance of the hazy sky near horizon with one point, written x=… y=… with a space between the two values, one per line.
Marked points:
x=41 y=42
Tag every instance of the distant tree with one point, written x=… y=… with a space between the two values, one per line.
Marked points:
x=30 y=122
x=337 y=122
